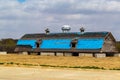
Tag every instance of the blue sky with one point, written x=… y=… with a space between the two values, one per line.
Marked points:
x=21 y=1
x=18 y=17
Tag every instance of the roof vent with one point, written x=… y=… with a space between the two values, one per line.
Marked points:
x=82 y=30
x=47 y=31
x=66 y=28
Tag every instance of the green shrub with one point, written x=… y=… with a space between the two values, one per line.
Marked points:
x=115 y=69
x=1 y=63
x=45 y=65
x=10 y=63
x=83 y=67
x=17 y=63
x=28 y=64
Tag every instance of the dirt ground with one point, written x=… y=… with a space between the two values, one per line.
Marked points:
x=20 y=73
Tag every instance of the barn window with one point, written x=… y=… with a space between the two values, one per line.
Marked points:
x=73 y=45
x=74 y=42
x=37 y=45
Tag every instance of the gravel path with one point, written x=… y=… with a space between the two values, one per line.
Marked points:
x=18 y=73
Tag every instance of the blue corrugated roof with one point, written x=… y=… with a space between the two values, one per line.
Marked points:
x=90 y=43
x=56 y=44
x=31 y=43
x=87 y=43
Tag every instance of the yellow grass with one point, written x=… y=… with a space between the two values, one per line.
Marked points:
x=108 y=63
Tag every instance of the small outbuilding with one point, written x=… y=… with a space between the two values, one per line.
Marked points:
x=97 y=44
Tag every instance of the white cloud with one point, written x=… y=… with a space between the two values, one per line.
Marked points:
x=75 y=16
x=33 y=16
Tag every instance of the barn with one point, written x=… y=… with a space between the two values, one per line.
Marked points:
x=96 y=44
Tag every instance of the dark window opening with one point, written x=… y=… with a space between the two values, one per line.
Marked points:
x=74 y=42
x=75 y=54
x=55 y=54
x=93 y=54
x=38 y=45
x=29 y=53
x=38 y=53
x=63 y=54
x=73 y=45
x=109 y=54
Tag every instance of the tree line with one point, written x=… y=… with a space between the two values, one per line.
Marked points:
x=8 y=45
x=118 y=45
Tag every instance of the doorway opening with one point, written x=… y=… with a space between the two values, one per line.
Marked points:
x=75 y=54
x=38 y=53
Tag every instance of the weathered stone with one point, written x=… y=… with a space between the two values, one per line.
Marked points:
x=59 y=54
x=47 y=54
x=100 y=55
x=117 y=55
x=89 y=55
x=3 y=53
x=67 y=54
x=86 y=54
x=81 y=54
x=25 y=53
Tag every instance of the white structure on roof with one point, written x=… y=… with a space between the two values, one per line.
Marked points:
x=66 y=28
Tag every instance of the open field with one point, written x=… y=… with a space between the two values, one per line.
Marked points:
x=57 y=61
x=18 y=73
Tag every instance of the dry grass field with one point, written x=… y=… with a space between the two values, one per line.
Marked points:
x=35 y=60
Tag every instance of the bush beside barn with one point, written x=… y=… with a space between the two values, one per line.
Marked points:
x=8 y=45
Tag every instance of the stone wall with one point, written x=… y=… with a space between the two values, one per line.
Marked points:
x=3 y=53
x=67 y=54
x=86 y=54
x=59 y=54
x=117 y=55
x=99 y=55
x=47 y=54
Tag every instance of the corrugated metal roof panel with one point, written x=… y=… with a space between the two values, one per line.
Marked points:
x=31 y=43
x=56 y=44
x=90 y=43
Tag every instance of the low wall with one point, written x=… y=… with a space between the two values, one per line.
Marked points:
x=59 y=54
x=67 y=54
x=86 y=54
x=3 y=53
x=117 y=55
x=47 y=54
x=100 y=55
x=25 y=53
